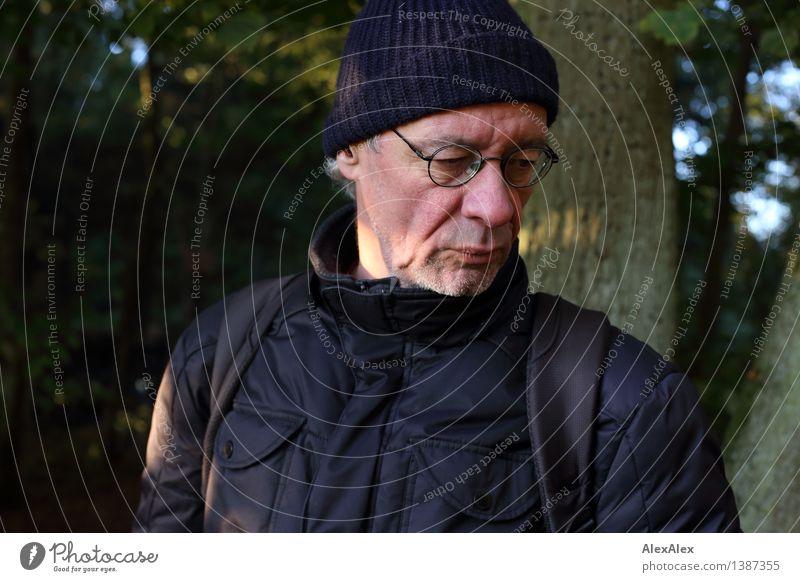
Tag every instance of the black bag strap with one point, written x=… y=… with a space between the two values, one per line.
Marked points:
x=248 y=316
x=569 y=344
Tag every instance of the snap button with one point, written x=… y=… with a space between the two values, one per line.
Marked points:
x=482 y=501
x=227 y=449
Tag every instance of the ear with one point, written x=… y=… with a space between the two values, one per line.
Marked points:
x=350 y=163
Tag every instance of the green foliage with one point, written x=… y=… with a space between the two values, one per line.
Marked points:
x=715 y=37
x=246 y=102
x=677 y=26
x=242 y=95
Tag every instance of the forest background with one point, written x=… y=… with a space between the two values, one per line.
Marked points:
x=124 y=122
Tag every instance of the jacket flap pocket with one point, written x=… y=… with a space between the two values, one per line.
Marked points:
x=246 y=437
x=478 y=481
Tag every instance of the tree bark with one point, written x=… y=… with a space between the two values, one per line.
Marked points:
x=731 y=160
x=764 y=457
x=609 y=208
x=13 y=216
x=139 y=255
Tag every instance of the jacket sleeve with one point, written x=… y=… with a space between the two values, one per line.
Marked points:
x=171 y=499
x=667 y=473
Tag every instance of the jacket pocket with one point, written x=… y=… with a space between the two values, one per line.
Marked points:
x=462 y=487
x=252 y=457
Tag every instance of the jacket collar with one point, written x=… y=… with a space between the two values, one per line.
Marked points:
x=382 y=306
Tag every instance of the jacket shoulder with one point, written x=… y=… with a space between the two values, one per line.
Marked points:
x=631 y=371
x=658 y=466
x=203 y=331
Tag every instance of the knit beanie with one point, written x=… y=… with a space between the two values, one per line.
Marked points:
x=407 y=59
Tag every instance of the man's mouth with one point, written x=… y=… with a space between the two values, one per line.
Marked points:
x=479 y=255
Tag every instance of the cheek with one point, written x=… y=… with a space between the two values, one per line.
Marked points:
x=522 y=201
x=385 y=200
x=417 y=224
x=434 y=213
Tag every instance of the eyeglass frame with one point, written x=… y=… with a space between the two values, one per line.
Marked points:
x=552 y=155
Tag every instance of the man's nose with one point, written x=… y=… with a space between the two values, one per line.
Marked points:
x=488 y=198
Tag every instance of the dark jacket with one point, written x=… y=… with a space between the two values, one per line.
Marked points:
x=373 y=407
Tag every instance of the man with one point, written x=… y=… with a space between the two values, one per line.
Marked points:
x=389 y=391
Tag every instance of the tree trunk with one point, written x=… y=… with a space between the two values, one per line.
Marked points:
x=722 y=229
x=765 y=454
x=608 y=209
x=14 y=382
x=138 y=254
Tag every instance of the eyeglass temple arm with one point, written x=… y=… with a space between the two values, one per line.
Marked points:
x=413 y=148
x=553 y=155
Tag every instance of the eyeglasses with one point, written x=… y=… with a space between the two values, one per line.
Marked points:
x=454 y=165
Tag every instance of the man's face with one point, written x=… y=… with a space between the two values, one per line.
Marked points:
x=452 y=240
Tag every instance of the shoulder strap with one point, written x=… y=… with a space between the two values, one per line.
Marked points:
x=248 y=315
x=569 y=343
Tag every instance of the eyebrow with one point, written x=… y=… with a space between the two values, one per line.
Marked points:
x=434 y=142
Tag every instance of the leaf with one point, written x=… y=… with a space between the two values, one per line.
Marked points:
x=673 y=27
x=772 y=44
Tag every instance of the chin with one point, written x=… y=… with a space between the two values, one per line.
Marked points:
x=460 y=282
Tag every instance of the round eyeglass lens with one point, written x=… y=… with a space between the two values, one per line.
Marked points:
x=526 y=167
x=453 y=165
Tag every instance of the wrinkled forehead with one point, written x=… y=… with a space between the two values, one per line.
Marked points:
x=486 y=123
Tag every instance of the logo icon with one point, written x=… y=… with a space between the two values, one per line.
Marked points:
x=31 y=555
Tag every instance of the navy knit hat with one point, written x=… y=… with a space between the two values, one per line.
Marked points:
x=407 y=59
